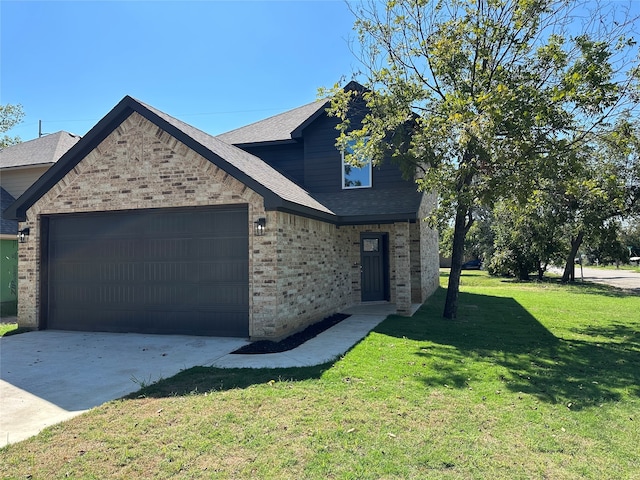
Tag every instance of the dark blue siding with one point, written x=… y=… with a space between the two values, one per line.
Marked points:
x=287 y=159
x=323 y=161
x=316 y=164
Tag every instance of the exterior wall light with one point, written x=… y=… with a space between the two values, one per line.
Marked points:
x=259 y=226
x=23 y=234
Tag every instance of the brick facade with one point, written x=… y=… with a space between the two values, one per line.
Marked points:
x=137 y=166
x=429 y=257
x=300 y=271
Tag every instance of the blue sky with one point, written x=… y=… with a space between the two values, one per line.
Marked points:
x=216 y=65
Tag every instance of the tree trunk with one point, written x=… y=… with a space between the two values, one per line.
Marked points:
x=523 y=274
x=460 y=230
x=569 y=274
x=541 y=269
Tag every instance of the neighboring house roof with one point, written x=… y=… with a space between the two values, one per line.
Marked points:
x=40 y=151
x=283 y=127
x=279 y=192
x=7 y=227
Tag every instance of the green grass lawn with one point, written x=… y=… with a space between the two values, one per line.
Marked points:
x=7 y=328
x=633 y=268
x=534 y=380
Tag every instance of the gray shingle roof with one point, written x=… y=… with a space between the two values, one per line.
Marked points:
x=279 y=192
x=397 y=203
x=7 y=227
x=273 y=129
x=250 y=165
x=44 y=150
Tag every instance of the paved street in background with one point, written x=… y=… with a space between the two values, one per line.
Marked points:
x=625 y=279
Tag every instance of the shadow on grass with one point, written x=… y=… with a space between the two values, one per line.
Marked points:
x=498 y=332
x=200 y=380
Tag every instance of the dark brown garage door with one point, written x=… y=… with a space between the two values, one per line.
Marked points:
x=172 y=271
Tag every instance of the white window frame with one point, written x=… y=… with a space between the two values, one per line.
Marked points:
x=370 y=177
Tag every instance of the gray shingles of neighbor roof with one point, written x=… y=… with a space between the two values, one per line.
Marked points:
x=250 y=165
x=278 y=128
x=40 y=151
x=7 y=227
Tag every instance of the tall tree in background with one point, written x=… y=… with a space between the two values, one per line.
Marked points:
x=494 y=93
x=10 y=116
x=601 y=189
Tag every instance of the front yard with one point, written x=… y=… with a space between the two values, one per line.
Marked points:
x=534 y=380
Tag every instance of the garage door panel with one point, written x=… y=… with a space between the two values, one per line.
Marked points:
x=222 y=295
x=223 y=271
x=171 y=271
x=128 y=321
x=155 y=271
x=220 y=247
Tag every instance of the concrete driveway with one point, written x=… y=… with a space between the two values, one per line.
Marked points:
x=49 y=376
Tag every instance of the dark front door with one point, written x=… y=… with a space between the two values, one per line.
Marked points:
x=172 y=271
x=375 y=267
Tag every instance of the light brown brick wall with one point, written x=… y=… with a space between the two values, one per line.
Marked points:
x=429 y=256
x=318 y=270
x=300 y=271
x=137 y=166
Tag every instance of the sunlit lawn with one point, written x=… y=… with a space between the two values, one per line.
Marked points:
x=534 y=380
x=7 y=328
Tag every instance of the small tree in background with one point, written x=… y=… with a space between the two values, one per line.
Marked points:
x=526 y=239
x=10 y=116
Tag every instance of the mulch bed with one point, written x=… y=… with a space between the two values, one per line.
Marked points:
x=291 y=342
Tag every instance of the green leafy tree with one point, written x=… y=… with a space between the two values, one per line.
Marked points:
x=479 y=97
x=10 y=116
x=607 y=246
x=600 y=189
x=526 y=238
x=630 y=236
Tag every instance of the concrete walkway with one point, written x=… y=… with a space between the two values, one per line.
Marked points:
x=50 y=376
x=325 y=347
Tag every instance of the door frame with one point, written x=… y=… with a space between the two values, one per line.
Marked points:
x=383 y=259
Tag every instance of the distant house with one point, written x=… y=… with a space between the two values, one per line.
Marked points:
x=150 y=225
x=20 y=166
x=8 y=258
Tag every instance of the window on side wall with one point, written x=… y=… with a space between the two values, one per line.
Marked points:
x=355 y=176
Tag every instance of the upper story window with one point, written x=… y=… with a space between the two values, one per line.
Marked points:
x=355 y=176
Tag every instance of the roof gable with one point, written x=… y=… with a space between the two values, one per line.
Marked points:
x=279 y=192
x=284 y=127
x=40 y=151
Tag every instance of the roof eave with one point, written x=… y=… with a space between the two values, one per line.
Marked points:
x=297 y=209
x=26 y=166
x=288 y=141
x=278 y=204
x=378 y=219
